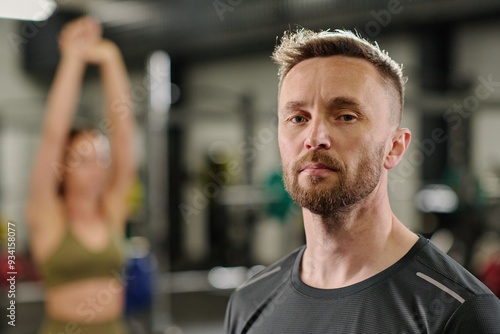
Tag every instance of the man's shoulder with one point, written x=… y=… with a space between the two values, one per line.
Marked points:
x=257 y=291
x=445 y=269
x=477 y=310
x=266 y=281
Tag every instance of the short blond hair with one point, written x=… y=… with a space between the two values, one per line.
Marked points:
x=303 y=44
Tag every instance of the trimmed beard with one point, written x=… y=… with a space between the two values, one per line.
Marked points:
x=327 y=198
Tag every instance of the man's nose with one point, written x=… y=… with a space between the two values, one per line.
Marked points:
x=318 y=136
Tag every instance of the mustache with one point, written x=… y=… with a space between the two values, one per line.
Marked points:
x=318 y=157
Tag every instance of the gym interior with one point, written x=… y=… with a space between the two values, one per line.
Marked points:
x=208 y=208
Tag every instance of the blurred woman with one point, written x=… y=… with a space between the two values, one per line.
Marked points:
x=77 y=203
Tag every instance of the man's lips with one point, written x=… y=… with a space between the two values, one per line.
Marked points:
x=316 y=167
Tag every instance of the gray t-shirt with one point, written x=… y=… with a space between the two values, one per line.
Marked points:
x=424 y=292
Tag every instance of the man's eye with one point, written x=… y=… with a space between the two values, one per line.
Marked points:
x=348 y=118
x=298 y=119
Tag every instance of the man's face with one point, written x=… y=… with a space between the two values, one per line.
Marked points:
x=334 y=123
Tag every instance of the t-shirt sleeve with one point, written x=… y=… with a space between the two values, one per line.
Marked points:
x=228 y=322
x=480 y=315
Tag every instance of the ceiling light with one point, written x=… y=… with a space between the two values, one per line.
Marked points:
x=28 y=10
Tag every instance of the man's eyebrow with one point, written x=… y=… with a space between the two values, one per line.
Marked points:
x=332 y=104
x=344 y=101
x=293 y=105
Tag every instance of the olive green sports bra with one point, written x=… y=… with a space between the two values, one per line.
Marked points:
x=72 y=261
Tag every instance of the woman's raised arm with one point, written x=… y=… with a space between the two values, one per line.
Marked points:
x=120 y=125
x=75 y=41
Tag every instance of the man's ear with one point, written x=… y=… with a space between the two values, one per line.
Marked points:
x=399 y=144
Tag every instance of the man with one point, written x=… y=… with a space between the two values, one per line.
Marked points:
x=361 y=271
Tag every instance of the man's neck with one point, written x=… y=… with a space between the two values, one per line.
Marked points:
x=349 y=248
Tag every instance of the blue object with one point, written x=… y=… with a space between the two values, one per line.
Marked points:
x=139 y=288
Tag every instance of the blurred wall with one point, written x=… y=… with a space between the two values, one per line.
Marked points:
x=478 y=52
x=21 y=104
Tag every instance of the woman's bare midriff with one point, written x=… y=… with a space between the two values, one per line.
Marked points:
x=88 y=301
